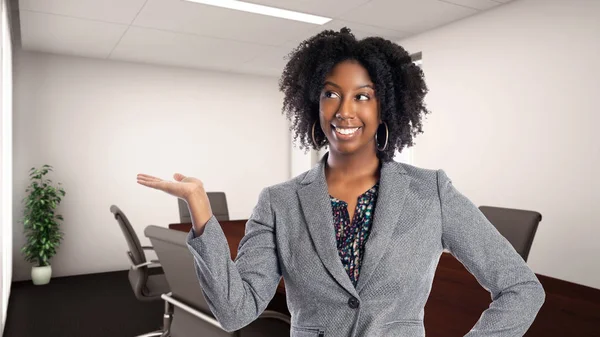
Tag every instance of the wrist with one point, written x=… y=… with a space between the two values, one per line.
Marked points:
x=200 y=211
x=193 y=198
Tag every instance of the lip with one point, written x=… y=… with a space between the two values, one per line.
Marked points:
x=346 y=126
x=340 y=136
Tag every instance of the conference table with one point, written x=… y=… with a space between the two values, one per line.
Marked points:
x=457 y=300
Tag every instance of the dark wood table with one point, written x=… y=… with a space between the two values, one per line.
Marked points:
x=457 y=300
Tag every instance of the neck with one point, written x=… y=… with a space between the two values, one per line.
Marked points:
x=351 y=166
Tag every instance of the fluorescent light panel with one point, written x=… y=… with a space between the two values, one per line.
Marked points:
x=265 y=10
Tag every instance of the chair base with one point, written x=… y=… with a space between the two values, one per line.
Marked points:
x=167 y=317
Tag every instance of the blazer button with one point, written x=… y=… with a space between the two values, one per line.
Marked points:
x=353 y=302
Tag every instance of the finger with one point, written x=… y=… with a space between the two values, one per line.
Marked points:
x=159 y=185
x=148 y=183
x=148 y=177
x=178 y=176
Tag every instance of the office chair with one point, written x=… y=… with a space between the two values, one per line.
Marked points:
x=218 y=204
x=148 y=284
x=191 y=313
x=516 y=225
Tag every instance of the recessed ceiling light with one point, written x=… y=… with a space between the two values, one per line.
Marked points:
x=265 y=10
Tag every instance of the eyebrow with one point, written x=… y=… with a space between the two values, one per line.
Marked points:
x=359 y=87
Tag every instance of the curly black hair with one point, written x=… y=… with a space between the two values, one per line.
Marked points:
x=399 y=85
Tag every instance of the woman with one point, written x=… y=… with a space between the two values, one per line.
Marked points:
x=357 y=238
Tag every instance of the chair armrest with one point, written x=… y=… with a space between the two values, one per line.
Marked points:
x=190 y=310
x=138 y=266
x=266 y=314
x=275 y=315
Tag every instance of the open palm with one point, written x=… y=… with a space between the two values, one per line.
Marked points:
x=183 y=187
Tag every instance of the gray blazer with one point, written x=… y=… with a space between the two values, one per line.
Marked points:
x=418 y=214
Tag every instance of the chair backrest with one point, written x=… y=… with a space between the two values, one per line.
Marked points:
x=137 y=277
x=184 y=212
x=178 y=265
x=180 y=271
x=516 y=225
x=135 y=247
x=218 y=204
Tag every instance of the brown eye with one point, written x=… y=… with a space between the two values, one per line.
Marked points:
x=330 y=94
x=362 y=97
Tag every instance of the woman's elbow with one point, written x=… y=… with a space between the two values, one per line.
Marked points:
x=538 y=296
x=231 y=323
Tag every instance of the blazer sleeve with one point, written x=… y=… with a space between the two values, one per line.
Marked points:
x=237 y=292
x=517 y=295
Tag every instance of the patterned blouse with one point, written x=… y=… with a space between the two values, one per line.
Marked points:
x=351 y=239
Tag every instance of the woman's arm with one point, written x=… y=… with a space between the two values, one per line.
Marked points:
x=516 y=292
x=237 y=292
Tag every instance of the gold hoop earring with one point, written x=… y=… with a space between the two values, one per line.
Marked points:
x=386 y=138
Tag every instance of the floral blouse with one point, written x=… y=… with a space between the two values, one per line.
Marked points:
x=351 y=239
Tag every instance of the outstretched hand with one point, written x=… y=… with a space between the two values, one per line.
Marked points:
x=188 y=188
x=183 y=187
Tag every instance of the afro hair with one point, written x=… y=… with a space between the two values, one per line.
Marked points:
x=399 y=86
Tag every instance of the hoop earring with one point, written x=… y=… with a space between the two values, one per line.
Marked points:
x=386 y=138
x=313 y=136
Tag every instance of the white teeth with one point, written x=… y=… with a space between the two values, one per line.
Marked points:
x=346 y=131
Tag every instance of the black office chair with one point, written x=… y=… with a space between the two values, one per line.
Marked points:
x=218 y=204
x=516 y=225
x=148 y=284
x=191 y=315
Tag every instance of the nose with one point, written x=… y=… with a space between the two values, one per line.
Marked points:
x=346 y=109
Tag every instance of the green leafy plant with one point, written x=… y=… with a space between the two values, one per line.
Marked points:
x=41 y=224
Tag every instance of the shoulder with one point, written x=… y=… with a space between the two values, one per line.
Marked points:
x=288 y=187
x=427 y=179
x=418 y=174
x=421 y=180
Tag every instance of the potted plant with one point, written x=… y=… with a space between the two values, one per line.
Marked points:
x=41 y=224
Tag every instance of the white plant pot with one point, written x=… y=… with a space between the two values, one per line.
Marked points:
x=41 y=275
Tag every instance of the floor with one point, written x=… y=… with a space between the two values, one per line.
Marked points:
x=86 y=305
x=104 y=305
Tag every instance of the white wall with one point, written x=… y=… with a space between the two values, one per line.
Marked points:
x=6 y=156
x=514 y=115
x=99 y=123
x=300 y=160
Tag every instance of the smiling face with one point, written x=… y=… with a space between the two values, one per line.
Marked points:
x=348 y=109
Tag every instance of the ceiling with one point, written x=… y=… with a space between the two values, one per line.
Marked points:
x=186 y=34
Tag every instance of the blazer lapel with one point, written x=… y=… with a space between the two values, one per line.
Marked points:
x=387 y=218
x=316 y=206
